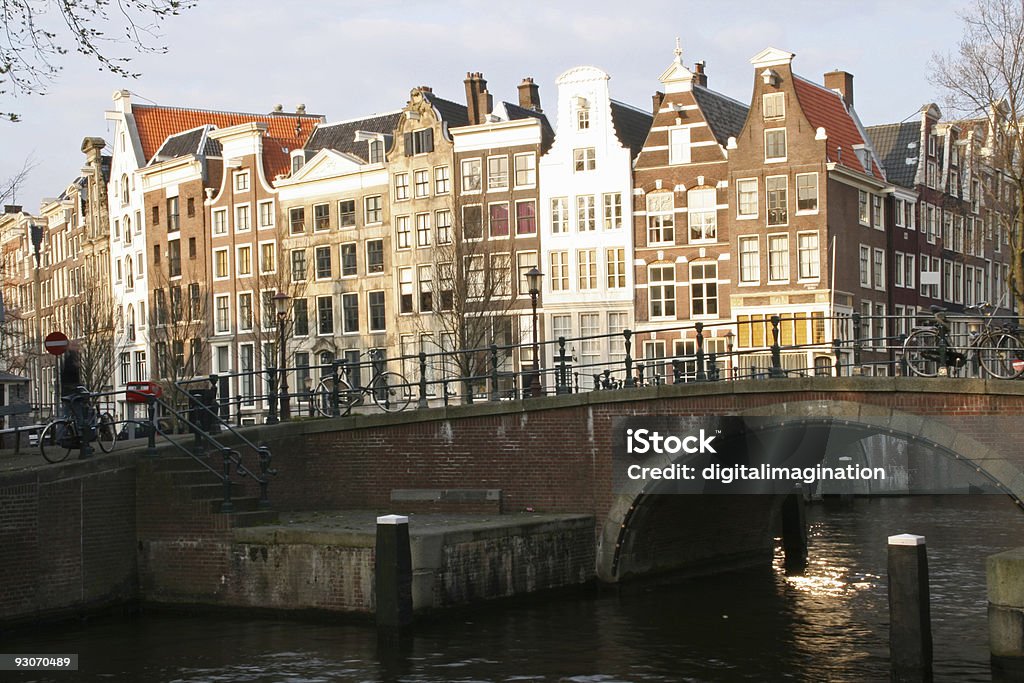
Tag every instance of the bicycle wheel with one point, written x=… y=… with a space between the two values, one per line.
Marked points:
x=323 y=397
x=51 y=438
x=921 y=352
x=391 y=392
x=1002 y=355
x=106 y=432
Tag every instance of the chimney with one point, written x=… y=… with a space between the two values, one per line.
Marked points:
x=300 y=110
x=478 y=100
x=699 y=77
x=841 y=82
x=656 y=99
x=529 y=95
x=12 y=208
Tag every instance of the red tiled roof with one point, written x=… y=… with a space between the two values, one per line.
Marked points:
x=155 y=124
x=825 y=109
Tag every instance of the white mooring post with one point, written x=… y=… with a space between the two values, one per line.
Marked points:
x=393 y=573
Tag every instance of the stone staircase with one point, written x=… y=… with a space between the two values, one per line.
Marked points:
x=192 y=481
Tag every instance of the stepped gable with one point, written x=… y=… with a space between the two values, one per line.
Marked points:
x=341 y=136
x=825 y=108
x=285 y=132
x=631 y=126
x=724 y=115
x=892 y=142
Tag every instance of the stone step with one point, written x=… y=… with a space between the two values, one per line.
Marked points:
x=241 y=504
x=254 y=518
x=193 y=477
x=209 y=491
x=175 y=463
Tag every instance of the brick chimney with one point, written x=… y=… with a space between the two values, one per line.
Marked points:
x=12 y=208
x=841 y=82
x=656 y=99
x=699 y=77
x=529 y=95
x=478 y=100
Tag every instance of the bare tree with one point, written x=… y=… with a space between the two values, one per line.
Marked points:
x=179 y=328
x=93 y=331
x=983 y=80
x=36 y=35
x=9 y=186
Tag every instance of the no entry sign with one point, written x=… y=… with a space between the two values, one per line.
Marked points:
x=56 y=343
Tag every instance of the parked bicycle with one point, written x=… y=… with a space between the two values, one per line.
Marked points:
x=929 y=350
x=389 y=390
x=81 y=424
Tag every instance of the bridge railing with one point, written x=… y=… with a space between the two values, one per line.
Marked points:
x=765 y=347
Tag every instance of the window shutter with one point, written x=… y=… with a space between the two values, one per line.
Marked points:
x=408 y=144
x=428 y=140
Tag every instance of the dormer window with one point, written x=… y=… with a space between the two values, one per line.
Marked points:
x=774 y=105
x=376 y=155
x=582 y=113
x=298 y=161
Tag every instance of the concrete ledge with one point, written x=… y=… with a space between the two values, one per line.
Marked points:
x=446 y=495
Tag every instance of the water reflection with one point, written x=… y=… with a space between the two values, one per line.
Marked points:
x=829 y=624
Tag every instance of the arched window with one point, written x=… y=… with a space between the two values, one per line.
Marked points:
x=130 y=323
x=129 y=273
x=127 y=223
x=582 y=113
x=376 y=151
x=124 y=188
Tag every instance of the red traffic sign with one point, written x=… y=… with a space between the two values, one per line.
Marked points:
x=56 y=343
x=140 y=392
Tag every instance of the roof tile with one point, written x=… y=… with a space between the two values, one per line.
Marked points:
x=825 y=109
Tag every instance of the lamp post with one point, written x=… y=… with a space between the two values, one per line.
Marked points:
x=281 y=306
x=533 y=277
x=729 y=336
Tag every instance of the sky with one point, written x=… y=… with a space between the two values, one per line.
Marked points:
x=347 y=59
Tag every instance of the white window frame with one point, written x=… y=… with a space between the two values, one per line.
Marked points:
x=785 y=144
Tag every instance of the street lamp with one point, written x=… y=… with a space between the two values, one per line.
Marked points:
x=281 y=306
x=533 y=277
x=729 y=336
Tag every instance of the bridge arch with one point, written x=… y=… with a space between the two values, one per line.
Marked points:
x=741 y=529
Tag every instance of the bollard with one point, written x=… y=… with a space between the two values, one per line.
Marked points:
x=794 y=533
x=628 y=345
x=776 y=369
x=910 y=629
x=393 y=573
x=858 y=344
x=422 y=403
x=1004 y=577
x=151 y=439
x=701 y=375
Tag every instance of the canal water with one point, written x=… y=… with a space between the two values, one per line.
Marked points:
x=830 y=624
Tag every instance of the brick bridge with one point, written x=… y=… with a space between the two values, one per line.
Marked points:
x=553 y=454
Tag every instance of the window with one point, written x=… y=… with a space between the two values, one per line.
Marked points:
x=375 y=256
x=471 y=181
x=403 y=232
x=156 y=215
x=405 y=290
x=220 y=263
x=419 y=141
x=526 y=218
x=243 y=261
x=297 y=220
x=421 y=183
x=612 y=210
x=372 y=212
x=376 y=151
x=140 y=364
x=586 y=220
x=222 y=313
x=909 y=269
x=242 y=218
x=266 y=210
x=876 y=200
x=443 y=220
x=559 y=215
x=865 y=266
x=778 y=258
x=241 y=181
x=348 y=259
x=526 y=170
x=423 y=230
x=679 y=146
x=298 y=265
x=375 y=303
x=616 y=270
x=808 y=259
x=746 y=198
x=660 y=218
x=472 y=222
x=879 y=270
x=704 y=289
x=587 y=263
x=898 y=212
x=442 y=182
x=323 y=263
x=300 y=313
x=126 y=368
x=401 y=186
x=525 y=260
x=446 y=281
x=173 y=258
x=582 y=114
x=559 y=271
x=173 y=218
x=774 y=105
x=321 y=217
x=703 y=214
x=750 y=260
x=195 y=303
x=500 y=275
x=324 y=315
x=245 y=311
x=932 y=175
x=497 y=173
x=584 y=159
x=220 y=222
x=775 y=144
x=661 y=289
x=898 y=265
x=498 y=223
x=806 y=191
x=349 y=313
x=778 y=203
x=425 y=280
